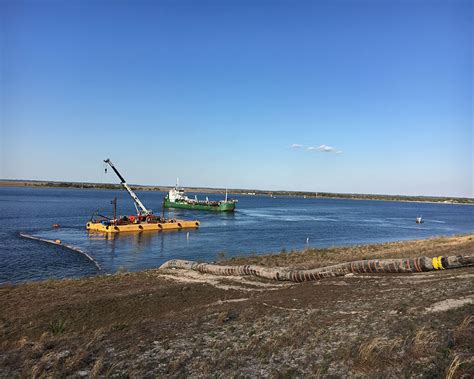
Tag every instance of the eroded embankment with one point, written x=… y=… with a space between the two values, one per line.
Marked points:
x=185 y=323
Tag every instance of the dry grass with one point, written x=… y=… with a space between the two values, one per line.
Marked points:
x=462 y=363
x=143 y=324
x=76 y=361
x=379 y=352
x=112 y=371
x=453 y=368
x=464 y=333
x=314 y=257
x=97 y=367
x=423 y=343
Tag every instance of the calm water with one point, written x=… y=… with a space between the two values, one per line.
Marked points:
x=260 y=225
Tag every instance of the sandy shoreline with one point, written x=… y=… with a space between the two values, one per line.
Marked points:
x=176 y=323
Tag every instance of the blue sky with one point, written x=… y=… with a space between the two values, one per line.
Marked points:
x=216 y=93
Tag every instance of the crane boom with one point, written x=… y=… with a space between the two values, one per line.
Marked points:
x=141 y=209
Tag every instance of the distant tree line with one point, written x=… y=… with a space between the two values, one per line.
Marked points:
x=328 y=195
x=90 y=186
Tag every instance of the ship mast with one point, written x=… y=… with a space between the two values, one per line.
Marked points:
x=141 y=209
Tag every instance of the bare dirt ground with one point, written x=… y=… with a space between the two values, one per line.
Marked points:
x=178 y=323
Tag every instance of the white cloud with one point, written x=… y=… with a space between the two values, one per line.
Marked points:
x=325 y=149
x=296 y=146
x=321 y=148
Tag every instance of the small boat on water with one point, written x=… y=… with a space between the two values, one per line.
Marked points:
x=419 y=220
x=177 y=198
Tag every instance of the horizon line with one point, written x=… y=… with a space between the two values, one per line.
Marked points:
x=239 y=189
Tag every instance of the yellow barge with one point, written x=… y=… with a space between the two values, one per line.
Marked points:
x=98 y=226
x=143 y=221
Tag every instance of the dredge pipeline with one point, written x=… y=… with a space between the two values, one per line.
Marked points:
x=59 y=243
x=403 y=265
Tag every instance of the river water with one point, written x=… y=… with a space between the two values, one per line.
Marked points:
x=260 y=225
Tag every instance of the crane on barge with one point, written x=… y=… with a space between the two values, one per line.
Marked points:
x=145 y=220
x=141 y=209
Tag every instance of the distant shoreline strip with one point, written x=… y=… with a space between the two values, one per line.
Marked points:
x=431 y=199
x=59 y=243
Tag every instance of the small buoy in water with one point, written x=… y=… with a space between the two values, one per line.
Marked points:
x=56 y=225
x=187 y=235
x=57 y=241
x=307 y=240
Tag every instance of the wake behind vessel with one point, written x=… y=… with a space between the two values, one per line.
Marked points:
x=177 y=198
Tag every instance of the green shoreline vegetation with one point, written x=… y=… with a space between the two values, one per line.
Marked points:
x=250 y=192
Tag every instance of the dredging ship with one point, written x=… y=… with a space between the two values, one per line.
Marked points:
x=144 y=220
x=177 y=198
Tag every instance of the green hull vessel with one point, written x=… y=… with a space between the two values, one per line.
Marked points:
x=228 y=206
x=176 y=198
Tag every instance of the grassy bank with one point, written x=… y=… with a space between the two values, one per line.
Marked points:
x=176 y=323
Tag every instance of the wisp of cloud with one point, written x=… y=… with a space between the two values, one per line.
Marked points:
x=296 y=146
x=325 y=149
